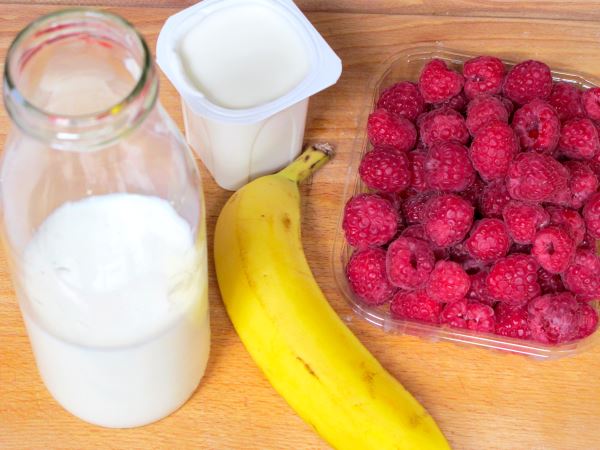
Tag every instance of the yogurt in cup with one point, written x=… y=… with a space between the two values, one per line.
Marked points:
x=245 y=70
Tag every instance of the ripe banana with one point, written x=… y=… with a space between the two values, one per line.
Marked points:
x=287 y=325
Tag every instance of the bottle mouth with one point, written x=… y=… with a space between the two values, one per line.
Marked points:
x=62 y=128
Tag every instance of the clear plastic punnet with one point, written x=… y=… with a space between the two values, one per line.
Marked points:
x=406 y=65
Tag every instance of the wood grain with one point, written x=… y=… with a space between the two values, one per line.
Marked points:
x=481 y=399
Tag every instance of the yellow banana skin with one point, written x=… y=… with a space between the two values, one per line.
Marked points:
x=287 y=325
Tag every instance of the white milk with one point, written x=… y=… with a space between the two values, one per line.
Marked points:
x=114 y=296
x=245 y=70
x=244 y=56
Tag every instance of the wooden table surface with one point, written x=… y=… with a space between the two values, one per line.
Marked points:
x=481 y=399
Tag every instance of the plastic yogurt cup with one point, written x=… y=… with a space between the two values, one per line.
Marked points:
x=245 y=70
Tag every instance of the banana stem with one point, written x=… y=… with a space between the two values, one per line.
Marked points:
x=309 y=161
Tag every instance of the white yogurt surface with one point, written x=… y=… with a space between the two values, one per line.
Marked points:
x=116 y=307
x=244 y=56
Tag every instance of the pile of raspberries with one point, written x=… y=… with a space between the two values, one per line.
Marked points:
x=482 y=210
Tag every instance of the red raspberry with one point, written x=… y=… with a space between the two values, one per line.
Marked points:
x=591 y=103
x=369 y=220
x=483 y=75
x=582 y=277
x=415 y=305
x=402 y=99
x=583 y=182
x=448 y=282
x=553 y=318
x=578 y=139
x=457 y=103
x=537 y=127
x=591 y=215
x=513 y=279
x=550 y=283
x=527 y=81
x=367 y=276
x=536 y=178
x=508 y=104
x=416 y=161
x=458 y=253
x=395 y=200
x=472 y=193
x=385 y=169
x=553 y=249
x=570 y=220
x=523 y=220
x=493 y=199
x=448 y=167
x=512 y=322
x=493 y=149
x=470 y=315
x=588 y=321
x=413 y=208
x=484 y=109
x=447 y=218
x=415 y=231
x=409 y=262
x=488 y=240
x=437 y=83
x=386 y=129
x=478 y=291
x=442 y=124
x=566 y=101
x=594 y=164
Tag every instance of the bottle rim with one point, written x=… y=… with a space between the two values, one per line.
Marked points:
x=61 y=128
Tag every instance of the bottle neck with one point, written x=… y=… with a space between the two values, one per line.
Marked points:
x=79 y=79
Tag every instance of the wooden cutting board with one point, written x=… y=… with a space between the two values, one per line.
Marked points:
x=481 y=399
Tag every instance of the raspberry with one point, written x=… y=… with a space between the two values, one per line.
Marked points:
x=553 y=249
x=492 y=150
x=385 y=169
x=566 y=101
x=415 y=231
x=478 y=291
x=448 y=282
x=472 y=193
x=494 y=198
x=537 y=127
x=578 y=139
x=409 y=262
x=583 y=182
x=470 y=315
x=582 y=277
x=416 y=162
x=591 y=103
x=447 y=218
x=369 y=220
x=457 y=103
x=570 y=220
x=508 y=104
x=437 y=83
x=512 y=322
x=553 y=318
x=402 y=99
x=588 y=321
x=395 y=200
x=442 y=124
x=448 y=168
x=459 y=253
x=483 y=75
x=550 y=283
x=415 y=305
x=536 y=178
x=367 y=276
x=591 y=215
x=480 y=317
x=488 y=240
x=513 y=279
x=386 y=129
x=413 y=208
x=523 y=220
x=484 y=109
x=527 y=81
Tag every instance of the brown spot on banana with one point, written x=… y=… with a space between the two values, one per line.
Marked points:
x=307 y=367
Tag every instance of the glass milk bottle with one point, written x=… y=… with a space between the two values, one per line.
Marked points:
x=103 y=222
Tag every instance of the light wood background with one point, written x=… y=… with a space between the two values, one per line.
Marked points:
x=481 y=399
